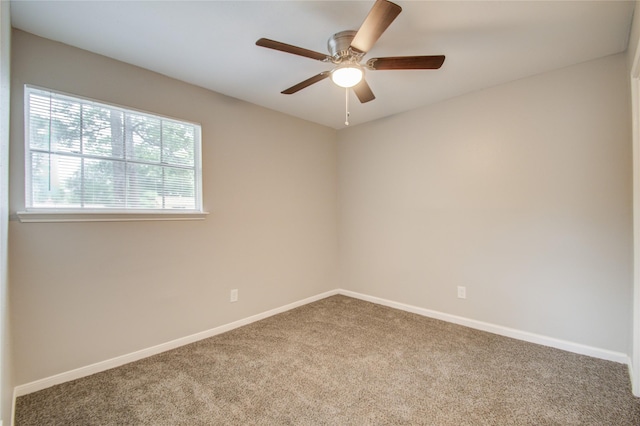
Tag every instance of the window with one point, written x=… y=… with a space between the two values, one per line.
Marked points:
x=85 y=156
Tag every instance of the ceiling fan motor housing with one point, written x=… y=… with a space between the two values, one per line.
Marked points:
x=339 y=46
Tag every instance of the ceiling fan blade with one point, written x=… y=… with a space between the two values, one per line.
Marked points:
x=406 y=63
x=377 y=21
x=308 y=82
x=288 y=48
x=363 y=92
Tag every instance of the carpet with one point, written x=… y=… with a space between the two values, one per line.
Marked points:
x=343 y=361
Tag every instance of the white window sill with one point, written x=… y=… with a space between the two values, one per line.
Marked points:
x=60 y=216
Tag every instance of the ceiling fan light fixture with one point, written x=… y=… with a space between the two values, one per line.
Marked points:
x=348 y=75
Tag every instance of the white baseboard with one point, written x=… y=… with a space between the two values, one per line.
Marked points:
x=634 y=387
x=498 y=329
x=154 y=350
x=479 y=325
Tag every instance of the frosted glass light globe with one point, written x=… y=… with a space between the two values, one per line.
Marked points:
x=347 y=76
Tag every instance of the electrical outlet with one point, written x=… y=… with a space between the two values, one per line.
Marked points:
x=234 y=295
x=462 y=292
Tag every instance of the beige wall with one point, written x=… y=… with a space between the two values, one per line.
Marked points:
x=6 y=379
x=634 y=36
x=86 y=292
x=521 y=193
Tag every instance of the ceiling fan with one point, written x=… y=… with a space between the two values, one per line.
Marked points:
x=347 y=48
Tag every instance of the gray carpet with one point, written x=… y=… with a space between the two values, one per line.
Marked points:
x=342 y=361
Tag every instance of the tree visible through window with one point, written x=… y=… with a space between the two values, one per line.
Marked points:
x=85 y=155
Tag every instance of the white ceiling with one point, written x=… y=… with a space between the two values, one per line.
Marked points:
x=212 y=44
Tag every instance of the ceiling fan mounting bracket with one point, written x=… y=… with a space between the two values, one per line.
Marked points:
x=371 y=64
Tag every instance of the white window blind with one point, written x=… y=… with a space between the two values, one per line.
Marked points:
x=84 y=156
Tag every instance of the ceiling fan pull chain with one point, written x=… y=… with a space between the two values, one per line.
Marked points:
x=346 y=104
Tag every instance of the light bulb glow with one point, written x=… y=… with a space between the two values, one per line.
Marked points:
x=347 y=76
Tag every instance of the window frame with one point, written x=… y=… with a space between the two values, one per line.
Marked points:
x=72 y=214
